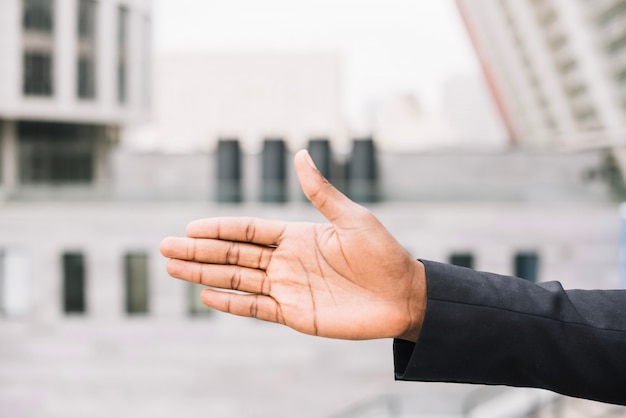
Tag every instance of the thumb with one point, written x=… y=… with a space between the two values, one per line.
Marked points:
x=334 y=205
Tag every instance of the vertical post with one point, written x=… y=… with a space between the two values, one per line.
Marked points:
x=9 y=157
x=228 y=171
x=362 y=171
x=274 y=171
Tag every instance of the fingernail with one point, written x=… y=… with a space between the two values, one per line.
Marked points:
x=308 y=159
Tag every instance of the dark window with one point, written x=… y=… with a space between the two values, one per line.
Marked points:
x=274 y=171
x=527 y=266
x=86 y=68
x=87 y=19
x=462 y=260
x=196 y=307
x=362 y=171
x=228 y=171
x=37 y=74
x=136 y=272
x=122 y=53
x=86 y=78
x=54 y=153
x=38 y=15
x=74 y=283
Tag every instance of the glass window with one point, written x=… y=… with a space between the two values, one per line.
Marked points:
x=87 y=19
x=86 y=77
x=37 y=74
x=55 y=153
x=38 y=15
x=86 y=68
x=74 y=286
x=462 y=260
x=136 y=272
x=196 y=307
x=527 y=266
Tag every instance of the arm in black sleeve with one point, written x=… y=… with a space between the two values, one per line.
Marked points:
x=492 y=329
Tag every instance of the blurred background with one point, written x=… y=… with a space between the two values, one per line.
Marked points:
x=484 y=133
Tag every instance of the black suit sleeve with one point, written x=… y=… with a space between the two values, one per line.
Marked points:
x=492 y=329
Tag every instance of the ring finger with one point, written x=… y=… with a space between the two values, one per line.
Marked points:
x=221 y=276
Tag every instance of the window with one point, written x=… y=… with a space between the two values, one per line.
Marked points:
x=38 y=15
x=56 y=153
x=196 y=307
x=86 y=77
x=37 y=74
x=228 y=171
x=38 y=61
x=527 y=266
x=136 y=273
x=87 y=19
x=274 y=171
x=462 y=260
x=122 y=53
x=14 y=283
x=86 y=80
x=74 y=285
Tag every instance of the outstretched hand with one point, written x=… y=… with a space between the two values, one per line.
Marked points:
x=346 y=279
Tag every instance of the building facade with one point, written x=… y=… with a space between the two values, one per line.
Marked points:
x=90 y=322
x=73 y=73
x=556 y=68
x=92 y=325
x=248 y=96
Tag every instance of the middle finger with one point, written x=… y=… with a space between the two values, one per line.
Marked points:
x=214 y=251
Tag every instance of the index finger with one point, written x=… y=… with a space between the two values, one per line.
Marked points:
x=241 y=229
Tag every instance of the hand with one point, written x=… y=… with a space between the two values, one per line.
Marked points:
x=348 y=279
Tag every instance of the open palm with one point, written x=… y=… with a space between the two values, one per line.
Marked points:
x=347 y=279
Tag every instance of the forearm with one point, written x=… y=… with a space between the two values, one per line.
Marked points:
x=486 y=328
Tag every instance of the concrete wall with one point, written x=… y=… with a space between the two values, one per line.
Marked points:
x=458 y=176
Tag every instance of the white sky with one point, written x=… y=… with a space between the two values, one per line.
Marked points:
x=388 y=46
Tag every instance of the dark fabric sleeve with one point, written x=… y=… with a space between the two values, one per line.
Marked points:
x=492 y=329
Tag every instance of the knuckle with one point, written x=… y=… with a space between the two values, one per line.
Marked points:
x=235 y=279
x=191 y=250
x=197 y=274
x=250 y=231
x=254 y=307
x=266 y=285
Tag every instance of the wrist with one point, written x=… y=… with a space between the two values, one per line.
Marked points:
x=416 y=303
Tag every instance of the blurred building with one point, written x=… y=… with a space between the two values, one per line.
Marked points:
x=73 y=72
x=249 y=96
x=467 y=119
x=90 y=322
x=92 y=325
x=556 y=68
